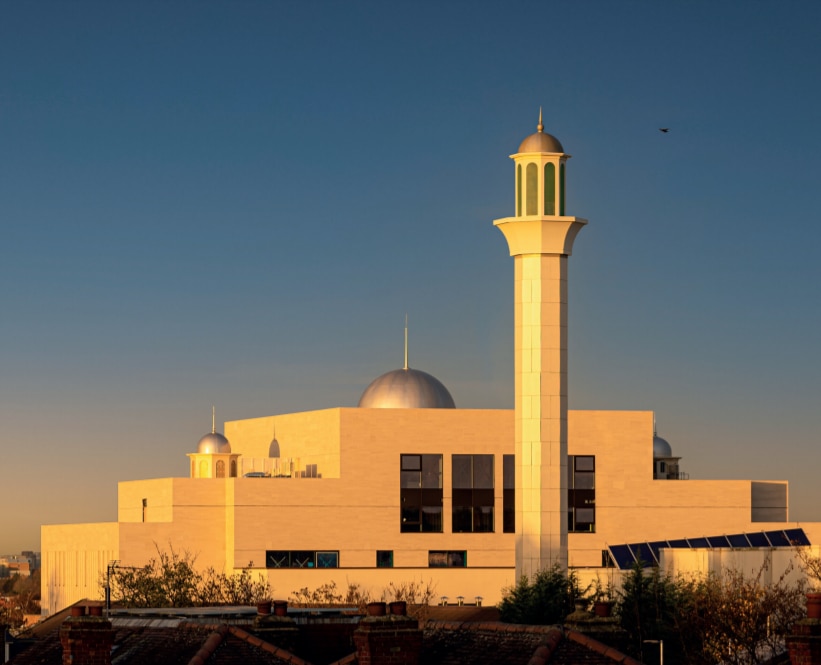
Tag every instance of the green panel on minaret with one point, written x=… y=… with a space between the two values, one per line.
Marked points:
x=549 y=189
x=532 y=189
x=561 y=189
x=519 y=191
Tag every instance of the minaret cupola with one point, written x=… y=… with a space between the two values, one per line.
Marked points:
x=540 y=165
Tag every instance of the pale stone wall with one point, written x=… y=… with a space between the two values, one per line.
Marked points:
x=769 y=565
x=450 y=582
x=73 y=558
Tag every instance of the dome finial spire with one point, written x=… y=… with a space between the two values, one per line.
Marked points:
x=406 y=340
x=213 y=419
x=540 y=126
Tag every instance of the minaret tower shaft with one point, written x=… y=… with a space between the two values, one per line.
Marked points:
x=540 y=238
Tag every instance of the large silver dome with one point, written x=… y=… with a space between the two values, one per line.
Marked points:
x=661 y=448
x=406 y=389
x=213 y=442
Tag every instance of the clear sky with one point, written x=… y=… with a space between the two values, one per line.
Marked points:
x=236 y=203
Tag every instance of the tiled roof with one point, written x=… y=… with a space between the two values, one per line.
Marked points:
x=178 y=644
x=219 y=641
x=496 y=643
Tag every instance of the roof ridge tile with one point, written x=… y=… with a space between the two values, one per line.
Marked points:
x=210 y=645
x=266 y=646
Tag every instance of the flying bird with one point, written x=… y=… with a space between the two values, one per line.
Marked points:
x=664 y=130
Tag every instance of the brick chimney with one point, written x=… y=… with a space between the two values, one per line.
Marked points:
x=804 y=644
x=388 y=639
x=86 y=638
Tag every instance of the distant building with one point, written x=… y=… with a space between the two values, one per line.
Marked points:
x=21 y=565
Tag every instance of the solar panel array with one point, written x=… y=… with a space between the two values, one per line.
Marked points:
x=648 y=554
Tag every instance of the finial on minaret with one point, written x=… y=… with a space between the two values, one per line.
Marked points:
x=540 y=126
x=406 y=340
x=213 y=419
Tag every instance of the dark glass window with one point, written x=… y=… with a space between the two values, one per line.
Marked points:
x=384 y=558
x=420 y=492
x=472 y=482
x=447 y=559
x=327 y=559
x=301 y=559
x=581 y=493
x=508 y=494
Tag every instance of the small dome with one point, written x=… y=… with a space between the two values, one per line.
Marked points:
x=213 y=442
x=661 y=448
x=406 y=389
x=541 y=142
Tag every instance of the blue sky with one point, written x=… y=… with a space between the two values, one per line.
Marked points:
x=237 y=203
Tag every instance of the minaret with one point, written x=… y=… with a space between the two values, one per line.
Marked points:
x=540 y=238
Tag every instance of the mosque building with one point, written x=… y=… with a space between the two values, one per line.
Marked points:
x=408 y=488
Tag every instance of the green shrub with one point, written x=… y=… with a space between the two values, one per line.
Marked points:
x=546 y=599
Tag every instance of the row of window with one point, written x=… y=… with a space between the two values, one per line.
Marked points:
x=472 y=484
x=473 y=502
x=384 y=559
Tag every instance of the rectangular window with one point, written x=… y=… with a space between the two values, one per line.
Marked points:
x=447 y=559
x=581 y=493
x=420 y=493
x=508 y=494
x=301 y=559
x=384 y=558
x=327 y=559
x=473 y=500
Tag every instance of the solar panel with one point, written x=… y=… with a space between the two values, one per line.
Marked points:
x=797 y=537
x=623 y=556
x=778 y=539
x=656 y=546
x=758 y=539
x=679 y=544
x=738 y=540
x=626 y=556
x=643 y=553
x=718 y=541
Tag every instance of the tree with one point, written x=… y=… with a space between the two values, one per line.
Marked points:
x=171 y=580
x=546 y=599
x=646 y=607
x=744 y=621
x=716 y=618
x=21 y=597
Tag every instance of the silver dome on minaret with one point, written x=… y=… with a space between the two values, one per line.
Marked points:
x=213 y=442
x=541 y=141
x=406 y=388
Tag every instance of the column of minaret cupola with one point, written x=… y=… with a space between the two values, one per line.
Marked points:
x=540 y=238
